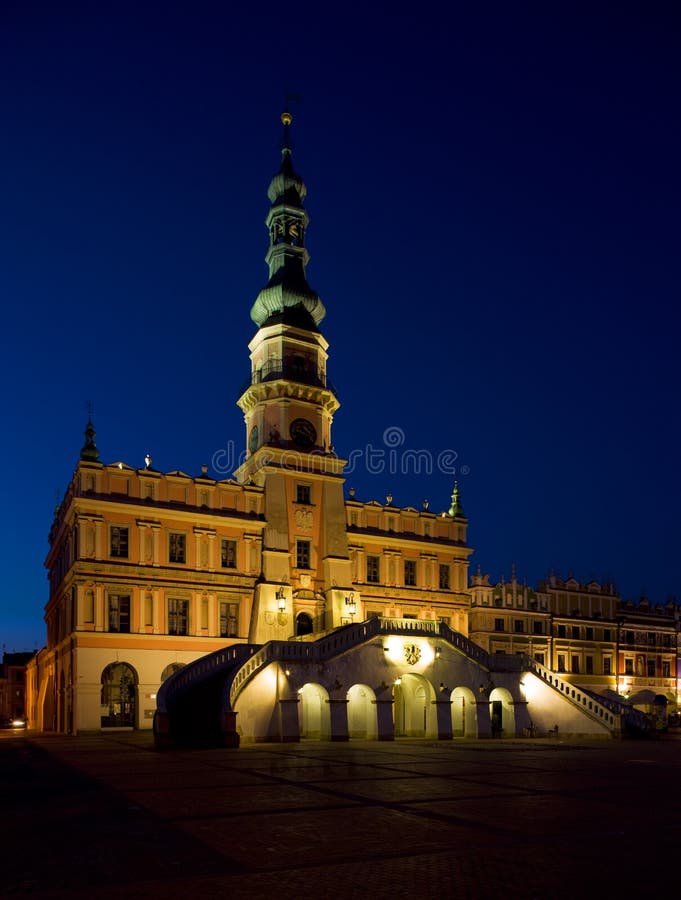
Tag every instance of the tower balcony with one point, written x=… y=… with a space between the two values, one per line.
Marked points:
x=289 y=368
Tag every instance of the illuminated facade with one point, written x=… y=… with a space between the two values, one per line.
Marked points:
x=275 y=607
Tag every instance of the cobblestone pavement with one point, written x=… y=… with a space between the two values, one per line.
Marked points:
x=106 y=816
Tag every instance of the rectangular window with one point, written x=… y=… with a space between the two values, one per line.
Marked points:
x=302 y=554
x=410 y=572
x=177 y=547
x=651 y=668
x=538 y=627
x=666 y=669
x=89 y=607
x=606 y=634
x=177 y=616
x=119 y=542
x=302 y=493
x=629 y=666
x=518 y=626
x=607 y=665
x=629 y=637
x=589 y=633
x=575 y=632
x=373 y=569
x=561 y=631
x=498 y=624
x=228 y=554
x=229 y=619
x=561 y=662
x=575 y=664
x=444 y=578
x=589 y=665
x=651 y=638
x=539 y=657
x=119 y=613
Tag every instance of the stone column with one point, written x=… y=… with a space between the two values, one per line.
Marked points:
x=384 y=718
x=443 y=708
x=483 y=717
x=289 y=729
x=338 y=708
x=230 y=736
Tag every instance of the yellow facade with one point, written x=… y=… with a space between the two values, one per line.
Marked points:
x=150 y=571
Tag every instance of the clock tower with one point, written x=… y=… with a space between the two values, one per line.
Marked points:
x=288 y=405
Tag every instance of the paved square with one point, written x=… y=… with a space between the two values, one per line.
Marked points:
x=107 y=816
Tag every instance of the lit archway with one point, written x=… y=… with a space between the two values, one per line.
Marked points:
x=502 y=713
x=464 y=713
x=119 y=696
x=414 y=709
x=362 y=724
x=315 y=718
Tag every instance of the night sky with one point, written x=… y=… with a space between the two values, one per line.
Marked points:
x=494 y=202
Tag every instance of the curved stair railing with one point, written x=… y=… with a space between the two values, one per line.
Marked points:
x=598 y=709
x=346 y=638
x=202 y=669
x=633 y=718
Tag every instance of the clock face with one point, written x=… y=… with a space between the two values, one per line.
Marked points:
x=303 y=433
x=253 y=439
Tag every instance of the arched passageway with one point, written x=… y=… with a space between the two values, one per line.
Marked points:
x=502 y=713
x=362 y=724
x=414 y=709
x=315 y=719
x=464 y=713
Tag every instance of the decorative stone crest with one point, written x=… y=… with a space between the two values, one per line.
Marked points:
x=412 y=654
x=303 y=518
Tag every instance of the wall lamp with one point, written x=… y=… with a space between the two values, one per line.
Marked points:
x=350 y=604
x=281 y=600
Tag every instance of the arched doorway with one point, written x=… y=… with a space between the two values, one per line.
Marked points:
x=303 y=624
x=502 y=713
x=362 y=724
x=315 y=717
x=414 y=709
x=464 y=713
x=170 y=669
x=119 y=695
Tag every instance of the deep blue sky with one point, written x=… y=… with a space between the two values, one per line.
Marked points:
x=494 y=202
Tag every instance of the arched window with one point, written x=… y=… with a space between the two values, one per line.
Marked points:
x=119 y=694
x=170 y=669
x=303 y=624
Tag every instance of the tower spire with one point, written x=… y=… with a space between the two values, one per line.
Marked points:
x=456 y=509
x=89 y=450
x=287 y=297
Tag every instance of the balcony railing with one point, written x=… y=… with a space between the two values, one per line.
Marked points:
x=291 y=368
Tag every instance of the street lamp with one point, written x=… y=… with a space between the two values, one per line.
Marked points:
x=281 y=600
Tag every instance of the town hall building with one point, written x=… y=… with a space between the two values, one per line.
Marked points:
x=278 y=606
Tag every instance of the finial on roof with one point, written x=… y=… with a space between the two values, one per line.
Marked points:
x=456 y=509
x=89 y=450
